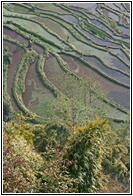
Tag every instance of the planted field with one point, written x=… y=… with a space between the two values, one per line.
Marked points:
x=59 y=39
x=110 y=88
x=15 y=53
x=35 y=92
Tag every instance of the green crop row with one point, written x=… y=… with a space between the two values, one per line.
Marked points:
x=43 y=26
x=126 y=52
x=104 y=75
x=70 y=9
x=106 y=22
x=121 y=43
x=73 y=30
x=43 y=77
x=99 y=33
x=109 y=67
x=114 y=11
x=25 y=35
x=85 y=13
x=117 y=56
x=111 y=24
x=29 y=58
x=31 y=32
x=24 y=5
x=17 y=90
x=57 y=18
x=23 y=31
x=98 y=71
x=18 y=84
x=63 y=66
x=6 y=96
x=8 y=38
x=96 y=31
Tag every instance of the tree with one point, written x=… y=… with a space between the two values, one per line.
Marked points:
x=117 y=159
x=54 y=177
x=53 y=133
x=84 y=154
x=79 y=102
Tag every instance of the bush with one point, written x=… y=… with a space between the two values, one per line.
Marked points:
x=84 y=154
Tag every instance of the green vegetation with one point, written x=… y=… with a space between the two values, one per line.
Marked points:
x=8 y=111
x=18 y=85
x=62 y=132
x=96 y=31
x=43 y=77
x=103 y=34
x=55 y=158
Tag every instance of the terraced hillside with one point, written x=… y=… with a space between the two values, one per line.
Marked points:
x=48 y=40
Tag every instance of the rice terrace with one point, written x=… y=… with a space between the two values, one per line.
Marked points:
x=66 y=97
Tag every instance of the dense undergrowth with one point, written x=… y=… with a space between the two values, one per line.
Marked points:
x=56 y=158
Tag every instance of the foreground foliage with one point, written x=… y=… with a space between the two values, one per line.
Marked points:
x=55 y=158
x=85 y=153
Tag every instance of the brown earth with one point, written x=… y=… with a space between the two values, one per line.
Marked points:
x=53 y=71
x=29 y=84
x=20 y=38
x=35 y=92
x=11 y=47
x=14 y=35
